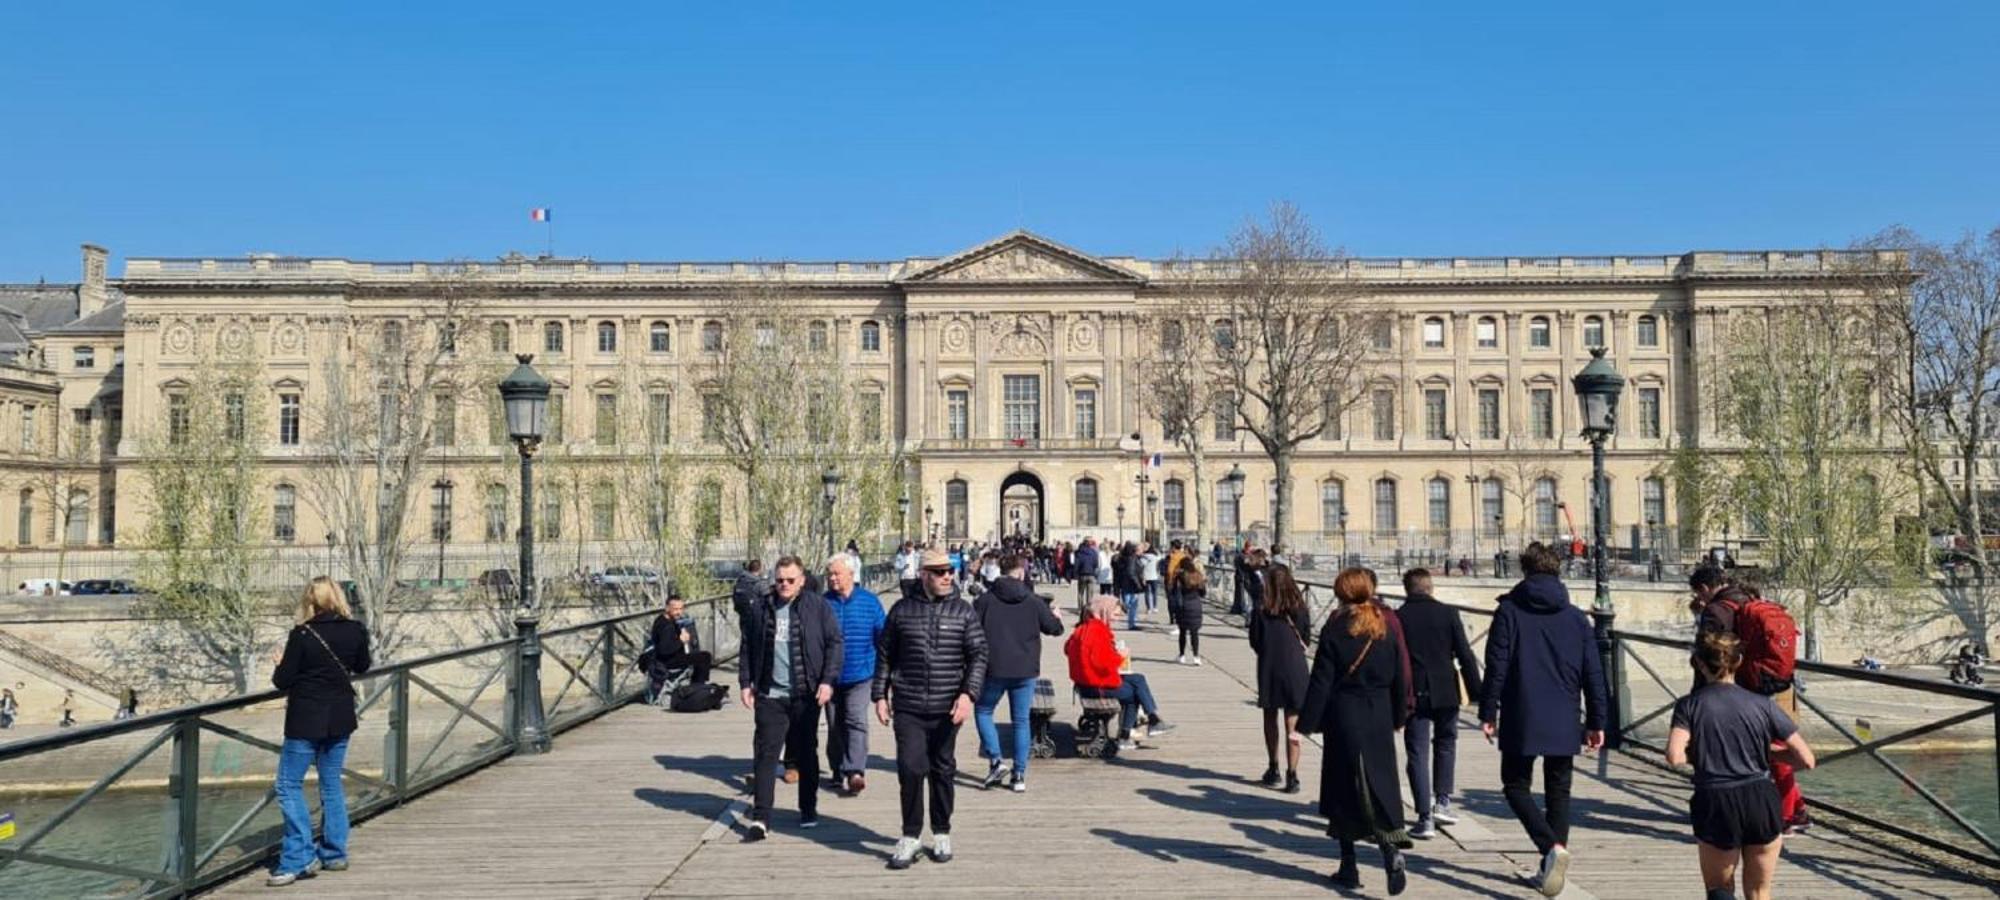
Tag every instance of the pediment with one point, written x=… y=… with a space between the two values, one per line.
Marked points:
x=1022 y=257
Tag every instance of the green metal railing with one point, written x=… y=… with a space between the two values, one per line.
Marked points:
x=1912 y=757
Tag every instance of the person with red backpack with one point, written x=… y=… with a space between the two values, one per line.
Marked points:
x=1769 y=638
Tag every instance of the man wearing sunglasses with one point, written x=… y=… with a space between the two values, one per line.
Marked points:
x=791 y=658
x=930 y=661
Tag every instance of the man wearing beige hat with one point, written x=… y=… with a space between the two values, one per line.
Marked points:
x=930 y=662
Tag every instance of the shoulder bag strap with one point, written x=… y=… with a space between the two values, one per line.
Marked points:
x=1352 y=667
x=329 y=650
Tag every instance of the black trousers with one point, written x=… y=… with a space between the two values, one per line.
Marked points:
x=1430 y=751
x=1517 y=779
x=789 y=727
x=926 y=748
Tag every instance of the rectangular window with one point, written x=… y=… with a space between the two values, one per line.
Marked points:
x=1492 y=505
x=1086 y=413
x=660 y=417
x=1021 y=410
x=712 y=413
x=114 y=429
x=1649 y=412
x=1383 y=403
x=177 y=419
x=870 y=412
x=285 y=514
x=1385 y=507
x=288 y=420
x=496 y=513
x=85 y=357
x=1649 y=331
x=552 y=337
x=1542 y=413
x=1173 y=500
x=605 y=424
x=603 y=512
x=1654 y=497
x=444 y=428
x=496 y=420
x=29 y=427
x=441 y=513
x=1332 y=506
x=1227 y=506
x=235 y=426
x=1489 y=414
x=1434 y=414
x=1438 y=498
x=1225 y=418
x=1086 y=503
x=554 y=426
x=1330 y=424
x=552 y=518
x=958 y=414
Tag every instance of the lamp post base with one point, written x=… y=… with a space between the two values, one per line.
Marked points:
x=533 y=736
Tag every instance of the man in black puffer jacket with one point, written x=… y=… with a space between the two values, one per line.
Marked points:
x=930 y=662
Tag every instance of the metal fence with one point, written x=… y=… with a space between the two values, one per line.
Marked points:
x=179 y=800
x=1912 y=757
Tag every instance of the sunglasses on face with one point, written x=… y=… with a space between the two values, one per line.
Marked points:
x=937 y=571
x=790 y=580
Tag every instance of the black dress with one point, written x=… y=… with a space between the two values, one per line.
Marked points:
x=1360 y=792
x=1281 y=658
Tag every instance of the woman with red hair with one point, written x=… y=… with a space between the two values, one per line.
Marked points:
x=1357 y=699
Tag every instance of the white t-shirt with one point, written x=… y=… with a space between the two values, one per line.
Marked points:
x=1150 y=564
x=906 y=565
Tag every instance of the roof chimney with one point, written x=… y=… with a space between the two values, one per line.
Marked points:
x=91 y=295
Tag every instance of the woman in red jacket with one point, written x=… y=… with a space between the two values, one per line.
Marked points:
x=1094 y=661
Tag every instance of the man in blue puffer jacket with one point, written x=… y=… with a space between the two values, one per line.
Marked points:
x=860 y=615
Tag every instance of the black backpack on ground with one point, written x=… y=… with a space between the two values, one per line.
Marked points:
x=697 y=698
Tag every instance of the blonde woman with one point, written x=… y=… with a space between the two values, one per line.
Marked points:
x=323 y=654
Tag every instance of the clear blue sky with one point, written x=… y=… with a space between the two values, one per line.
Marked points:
x=843 y=130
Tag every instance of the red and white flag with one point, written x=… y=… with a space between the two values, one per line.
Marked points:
x=539 y=214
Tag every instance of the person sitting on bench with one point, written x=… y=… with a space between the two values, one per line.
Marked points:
x=677 y=646
x=1096 y=666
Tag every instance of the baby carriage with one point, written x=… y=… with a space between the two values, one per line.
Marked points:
x=1041 y=713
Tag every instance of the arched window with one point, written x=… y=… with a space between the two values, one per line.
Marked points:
x=441 y=497
x=1653 y=499
x=284 y=513
x=871 y=337
x=1492 y=506
x=607 y=337
x=1086 y=502
x=1593 y=331
x=1225 y=335
x=1228 y=508
x=711 y=337
x=660 y=337
x=767 y=334
x=1649 y=331
x=76 y=519
x=603 y=511
x=1170 y=336
x=816 y=337
x=552 y=337
x=24 y=519
x=957 y=514
x=550 y=526
x=1332 y=506
x=1173 y=500
x=1385 y=506
x=1545 y=507
x=1434 y=333
x=1438 y=502
x=496 y=513
x=1538 y=332
x=499 y=338
x=392 y=338
x=1486 y=333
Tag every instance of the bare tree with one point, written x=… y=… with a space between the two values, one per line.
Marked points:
x=72 y=469
x=1810 y=473
x=387 y=391
x=1947 y=410
x=1289 y=336
x=1176 y=390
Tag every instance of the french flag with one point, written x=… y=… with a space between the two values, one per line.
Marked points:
x=1154 y=461
x=539 y=214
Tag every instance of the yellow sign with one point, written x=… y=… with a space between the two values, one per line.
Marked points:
x=6 y=826
x=1864 y=730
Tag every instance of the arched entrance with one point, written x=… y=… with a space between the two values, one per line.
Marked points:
x=1022 y=507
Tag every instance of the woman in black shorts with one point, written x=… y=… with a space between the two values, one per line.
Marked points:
x=1730 y=734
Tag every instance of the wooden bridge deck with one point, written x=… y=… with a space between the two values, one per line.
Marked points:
x=644 y=803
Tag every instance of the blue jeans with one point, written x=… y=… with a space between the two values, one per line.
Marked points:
x=1132 y=694
x=1020 y=696
x=1152 y=596
x=298 y=850
x=1131 y=602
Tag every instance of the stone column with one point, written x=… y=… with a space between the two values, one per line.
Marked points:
x=984 y=394
x=1059 y=425
x=1513 y=394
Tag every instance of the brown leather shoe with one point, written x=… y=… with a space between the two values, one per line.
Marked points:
x=791 y=775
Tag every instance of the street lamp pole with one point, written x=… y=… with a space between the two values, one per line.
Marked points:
x=1235 y=480
x=829 y=481
x=903 y=514
x=525 y=397
x=1149 y=516
x=1597 y=389
x=1121 y=521
x=443 y=514
x=930 y=521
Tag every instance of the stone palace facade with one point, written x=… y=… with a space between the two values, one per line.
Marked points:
x=1008 y=372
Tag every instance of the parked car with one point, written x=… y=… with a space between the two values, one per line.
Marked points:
x=724 y=570
x=101 y=586
x=501 y=579
x=45 y=587
x=628 y=576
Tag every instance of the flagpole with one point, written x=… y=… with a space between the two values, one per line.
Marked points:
x=549 y=224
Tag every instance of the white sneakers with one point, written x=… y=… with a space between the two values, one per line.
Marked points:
x=1555 y=869
x=1197 y=660
x=1182 y=659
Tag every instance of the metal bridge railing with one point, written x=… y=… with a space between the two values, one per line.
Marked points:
x=1912 y=757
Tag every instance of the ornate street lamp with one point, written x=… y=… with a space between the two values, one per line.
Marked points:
x=930 y=521
x=903 y=512
x=441 y=510
x=1147 y=518
x=524 y=394
x=1597 y=390
x=829 y=483
x=1121 y=521
x=1235 y=480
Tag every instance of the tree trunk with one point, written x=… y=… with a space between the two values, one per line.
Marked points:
x=1202 y=522
x=1280 y=510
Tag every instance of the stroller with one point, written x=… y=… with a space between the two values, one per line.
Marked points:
x=1041 y=714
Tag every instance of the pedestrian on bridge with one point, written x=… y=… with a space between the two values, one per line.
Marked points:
x=1436 y=637
x=324 y=653
x=1187 y=593
x=930 y=664
x=9 y=708
x=1541 y=657
x=1357 y=698
x=861 y=618
x=1726 y=731
x=1015 y=618
x=791 y=657
x=1278 y=629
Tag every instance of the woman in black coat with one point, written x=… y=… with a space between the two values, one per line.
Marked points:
x=1357 y=700
x=322 y=656
x=1278 y=629
x=1186 y=595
